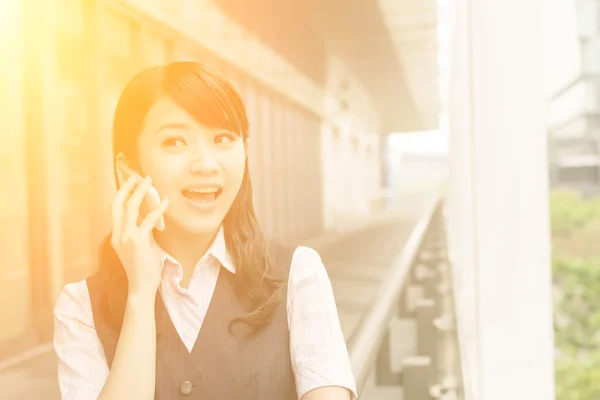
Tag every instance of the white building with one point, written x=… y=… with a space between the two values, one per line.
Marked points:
x=572 y=67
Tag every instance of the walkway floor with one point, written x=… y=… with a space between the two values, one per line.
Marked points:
x=356 y=264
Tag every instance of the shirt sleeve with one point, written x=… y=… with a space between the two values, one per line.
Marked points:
x=82 y=367
x=317 y=346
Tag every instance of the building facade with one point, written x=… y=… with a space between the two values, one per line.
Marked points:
x=315 y=125
x=573 y=90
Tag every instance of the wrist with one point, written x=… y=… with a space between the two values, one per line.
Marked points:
x=142 y=298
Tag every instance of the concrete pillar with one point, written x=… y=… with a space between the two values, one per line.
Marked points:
x=327 y=177
x=17 y=282
x=51 y=173
x=498 y=214
x=317 y=172
x=290 y=173
x=300 y=138
x=259 y=137
x=279 y=158
x=266 y=155
x=252 y=110
x=336 y=182
x=101 y=107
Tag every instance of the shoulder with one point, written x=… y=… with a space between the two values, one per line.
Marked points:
x=307 y=273
x=294 y=258
x=303 y=255
x=73 y=303
x=306 y=263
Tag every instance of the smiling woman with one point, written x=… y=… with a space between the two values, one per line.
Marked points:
x=204 y=306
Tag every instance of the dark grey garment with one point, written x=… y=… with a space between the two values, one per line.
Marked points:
x=222 y=365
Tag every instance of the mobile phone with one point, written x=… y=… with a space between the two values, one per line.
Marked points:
x=152 y=197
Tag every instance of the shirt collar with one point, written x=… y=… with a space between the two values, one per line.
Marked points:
x=218 y=250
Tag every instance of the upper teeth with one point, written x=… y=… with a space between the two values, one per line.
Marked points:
x=204 y=190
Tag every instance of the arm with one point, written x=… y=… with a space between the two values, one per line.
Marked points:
x=328 y=393
x=82 y=369
x=83 y=373
x=133 y=372
x=317 y=346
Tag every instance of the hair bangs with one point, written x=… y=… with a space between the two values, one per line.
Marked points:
x=206 y=95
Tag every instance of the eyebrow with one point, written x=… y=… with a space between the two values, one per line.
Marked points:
x=183 y=125
x=173 y=125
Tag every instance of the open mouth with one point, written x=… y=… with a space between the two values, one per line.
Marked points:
x=202 y=196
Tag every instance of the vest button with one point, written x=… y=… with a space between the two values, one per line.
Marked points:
x=186 y=387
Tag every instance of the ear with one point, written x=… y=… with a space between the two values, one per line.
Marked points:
x=247 y=146
x=123 y=169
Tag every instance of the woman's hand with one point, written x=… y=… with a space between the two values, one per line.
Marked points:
x=134 y=244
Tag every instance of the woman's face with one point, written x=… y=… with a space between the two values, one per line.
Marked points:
x=199 y=169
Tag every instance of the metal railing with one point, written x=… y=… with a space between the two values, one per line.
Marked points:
x=417 y=290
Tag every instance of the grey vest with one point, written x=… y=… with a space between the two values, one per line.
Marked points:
x=221 y=366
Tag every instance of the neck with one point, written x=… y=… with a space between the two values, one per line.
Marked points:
x=185 y=247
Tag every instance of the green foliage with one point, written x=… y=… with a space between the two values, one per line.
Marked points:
x=578 y=379
x=576 y=271
x=569 y=212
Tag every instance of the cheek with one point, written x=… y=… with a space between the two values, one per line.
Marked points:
x=164 y=172
x=164 y=181
x=235 y=169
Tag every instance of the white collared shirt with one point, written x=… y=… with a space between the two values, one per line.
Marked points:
x=317 y=346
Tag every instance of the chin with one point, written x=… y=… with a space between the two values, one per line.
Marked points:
x=197 y=220
x=197 y=225
x=203 y=229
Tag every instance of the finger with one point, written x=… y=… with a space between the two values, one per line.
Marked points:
x=132 y=208
x=161 y=224
x=153 y=217
x=153 y=201
x=118 y=211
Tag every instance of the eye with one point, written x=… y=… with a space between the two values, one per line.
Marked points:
x=225 y=137
x=174 y=142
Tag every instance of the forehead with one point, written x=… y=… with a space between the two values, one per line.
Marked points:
x=166 y=110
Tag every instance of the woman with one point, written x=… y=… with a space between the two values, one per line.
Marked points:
x=204 y=307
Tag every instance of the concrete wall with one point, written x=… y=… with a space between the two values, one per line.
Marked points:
x=79 y=59
x=351 y=146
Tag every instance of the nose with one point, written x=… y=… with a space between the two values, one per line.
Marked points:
x=204 y=161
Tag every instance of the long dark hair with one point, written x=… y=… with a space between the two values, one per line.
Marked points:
x=214 y=102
